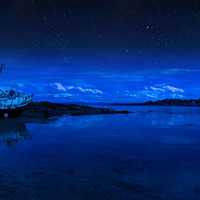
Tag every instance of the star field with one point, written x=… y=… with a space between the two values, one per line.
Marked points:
x=102 y=37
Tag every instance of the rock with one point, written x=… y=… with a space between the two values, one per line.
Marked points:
x=46 y=110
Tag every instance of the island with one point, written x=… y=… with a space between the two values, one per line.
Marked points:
x=163 y=102
x=48 y=110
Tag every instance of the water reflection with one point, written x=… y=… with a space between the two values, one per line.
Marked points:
x=13 y=131
x=78 y=122
x=149 y=154
x=164 y=117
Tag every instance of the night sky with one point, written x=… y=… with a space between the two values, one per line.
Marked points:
x=96 y=50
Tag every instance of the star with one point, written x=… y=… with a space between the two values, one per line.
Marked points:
x=126 y=51
x=148 y=27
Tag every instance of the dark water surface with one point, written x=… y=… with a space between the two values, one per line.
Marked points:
x=153 y=153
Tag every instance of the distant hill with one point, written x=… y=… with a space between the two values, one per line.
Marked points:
x=165 y=102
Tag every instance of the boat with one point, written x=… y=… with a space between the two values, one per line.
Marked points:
x=13 y=102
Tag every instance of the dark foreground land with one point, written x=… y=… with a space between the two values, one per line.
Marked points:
x=165 y=102
x=45 y=110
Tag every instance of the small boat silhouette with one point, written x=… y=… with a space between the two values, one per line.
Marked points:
x=11 y=101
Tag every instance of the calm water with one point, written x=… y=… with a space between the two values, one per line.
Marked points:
x=153 y=153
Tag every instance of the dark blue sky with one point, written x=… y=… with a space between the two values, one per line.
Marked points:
x=115 y=50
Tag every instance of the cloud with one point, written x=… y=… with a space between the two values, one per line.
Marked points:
x=164 y=88
x=173 y=89
x=157 y=91
x=62 y=95
x=180 y=70
x=85 y=90
x=60 y=87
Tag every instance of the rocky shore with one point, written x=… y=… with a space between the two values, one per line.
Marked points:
x=46 y=110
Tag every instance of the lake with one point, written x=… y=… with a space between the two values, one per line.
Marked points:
x=152 y=153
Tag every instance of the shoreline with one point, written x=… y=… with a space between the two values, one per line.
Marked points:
x=47 y=110
x=164 y=102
